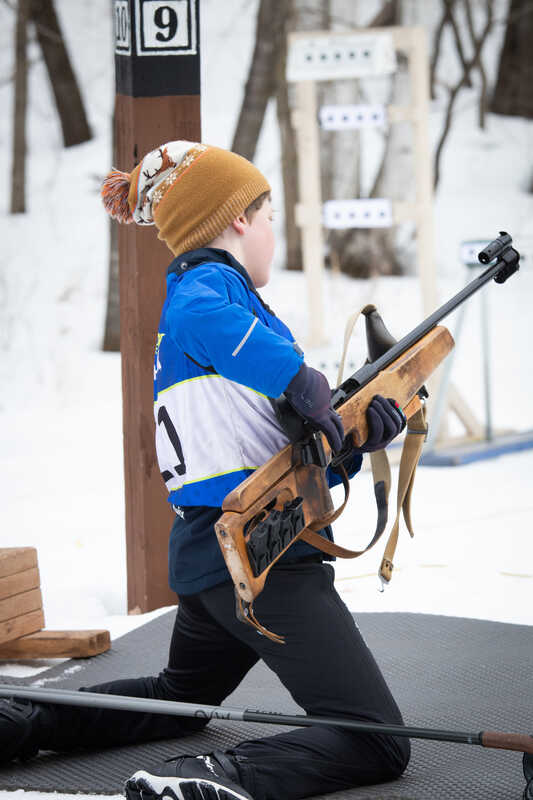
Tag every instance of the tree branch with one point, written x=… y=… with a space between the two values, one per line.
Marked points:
x=470 y=24
x=469 y=65
x=458 y=42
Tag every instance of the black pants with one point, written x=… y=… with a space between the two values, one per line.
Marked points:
x=325 y=664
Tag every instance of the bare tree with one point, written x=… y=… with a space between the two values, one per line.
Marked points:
x=468 y=65
x=446 y=19
x=303 y=15
x=74 y=124
x=62 y=79
x=266 y=78
x=18 y=167
x=262 y=75
x=293 y=247
x=111 y=341
x=512 y=93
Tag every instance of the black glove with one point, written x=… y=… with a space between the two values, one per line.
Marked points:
x=309 y=394
x=385 y=421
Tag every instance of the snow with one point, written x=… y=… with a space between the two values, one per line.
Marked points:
x=60 y=402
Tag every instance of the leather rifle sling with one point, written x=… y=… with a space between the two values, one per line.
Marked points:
x=321 y=543
x=412 y=448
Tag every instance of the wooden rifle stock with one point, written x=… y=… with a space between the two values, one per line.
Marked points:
x=286 y=483
x=288 y=498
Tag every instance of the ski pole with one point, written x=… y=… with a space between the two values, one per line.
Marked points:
x=502 y=741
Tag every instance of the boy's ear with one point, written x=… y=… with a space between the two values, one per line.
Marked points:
x=240 y=224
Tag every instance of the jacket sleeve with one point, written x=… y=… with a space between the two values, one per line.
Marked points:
x=214 y=331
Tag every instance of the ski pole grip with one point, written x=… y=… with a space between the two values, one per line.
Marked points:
x=507 y=741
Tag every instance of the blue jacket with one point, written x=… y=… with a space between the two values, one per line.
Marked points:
x=221 y=354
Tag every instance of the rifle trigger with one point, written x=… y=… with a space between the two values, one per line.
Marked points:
x=312 y=451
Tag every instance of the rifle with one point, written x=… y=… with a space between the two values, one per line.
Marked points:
x=288 y=499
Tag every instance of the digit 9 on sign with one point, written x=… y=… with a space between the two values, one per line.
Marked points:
x=165 y=27
x=166 y=19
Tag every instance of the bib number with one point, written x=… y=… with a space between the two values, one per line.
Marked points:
x=163 y=418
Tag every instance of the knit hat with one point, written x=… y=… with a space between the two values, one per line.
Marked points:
x=191 y=192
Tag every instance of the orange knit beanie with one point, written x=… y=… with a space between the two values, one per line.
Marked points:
x=191 y=192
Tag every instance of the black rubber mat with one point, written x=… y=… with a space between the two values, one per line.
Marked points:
x=445 y=672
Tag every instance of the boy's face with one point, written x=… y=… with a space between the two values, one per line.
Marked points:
x=258 y=245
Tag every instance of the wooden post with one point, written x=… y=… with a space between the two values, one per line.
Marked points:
x=20 y=97
x=418 y=60
x=323 y=55
x=309 y=211
x=157 y=59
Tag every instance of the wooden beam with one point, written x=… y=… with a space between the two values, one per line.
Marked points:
x=21 y=603
x=20 y=582
x=309 y=213
x=58 y=644
x=157 y=60
x=16 y=559
x=22 y=625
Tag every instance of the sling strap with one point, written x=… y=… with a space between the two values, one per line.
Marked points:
x=412 y=449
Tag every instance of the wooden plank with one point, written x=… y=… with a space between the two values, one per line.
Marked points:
x=423 y=162
x=19 y=582
x=16 y=559
x=309 y=191
x=20 y=604
x=21 y=626
x=58 y=644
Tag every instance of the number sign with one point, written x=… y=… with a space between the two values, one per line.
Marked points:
x=122 y=25
x=165 y=28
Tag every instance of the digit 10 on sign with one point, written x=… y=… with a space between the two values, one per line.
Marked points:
x=122 y=27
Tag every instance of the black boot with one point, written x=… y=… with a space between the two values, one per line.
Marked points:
x=209 y=777
x=18 y=729
x=527 y=762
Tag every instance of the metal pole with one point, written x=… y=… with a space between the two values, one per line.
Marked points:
x=486 y=365
x=506 y=741
x=440 y=402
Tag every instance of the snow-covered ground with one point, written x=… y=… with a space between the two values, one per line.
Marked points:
x=60 y=403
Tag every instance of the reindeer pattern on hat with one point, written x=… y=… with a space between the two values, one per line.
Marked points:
x=159 y=170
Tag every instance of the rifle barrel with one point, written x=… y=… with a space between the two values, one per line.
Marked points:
x=369 y=371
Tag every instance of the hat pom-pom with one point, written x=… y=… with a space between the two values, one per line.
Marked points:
x=115 y=191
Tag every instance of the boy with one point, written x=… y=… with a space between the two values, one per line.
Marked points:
x=221 y=355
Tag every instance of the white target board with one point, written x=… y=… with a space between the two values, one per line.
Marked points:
x=366 y=213
x=339 y=118
x=353 y=55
